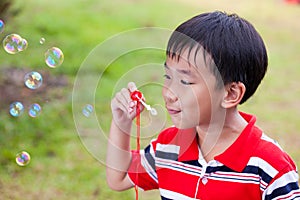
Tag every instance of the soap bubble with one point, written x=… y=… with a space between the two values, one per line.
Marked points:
x=12 y=43
x=16 y=109
x=153 y=111
x=22 y=158
x=54 y=57
x=42 y=40
x=1 y=26
x=87 y=110
x=33 y=80
x=34 y=110
x=23 y=45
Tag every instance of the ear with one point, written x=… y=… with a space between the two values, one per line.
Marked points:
x=233 y=95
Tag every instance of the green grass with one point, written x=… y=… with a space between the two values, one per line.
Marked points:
x=61 y=166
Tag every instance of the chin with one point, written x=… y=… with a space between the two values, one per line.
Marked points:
x=184 y=125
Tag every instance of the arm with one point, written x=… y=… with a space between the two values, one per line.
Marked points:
x=118 y=148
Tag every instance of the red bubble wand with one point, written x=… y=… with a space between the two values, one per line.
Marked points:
x=138 y=97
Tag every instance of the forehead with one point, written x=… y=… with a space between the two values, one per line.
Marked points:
x=193 y=60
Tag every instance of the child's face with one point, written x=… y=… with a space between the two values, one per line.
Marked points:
x=190 y=92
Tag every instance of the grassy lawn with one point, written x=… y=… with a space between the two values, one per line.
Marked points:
x=66 y=164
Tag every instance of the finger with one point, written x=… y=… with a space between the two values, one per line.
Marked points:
x=117 y=105
x=121 y=99
x=132 y=104
x=126 y=95
x=132 y=87
x=124 y=98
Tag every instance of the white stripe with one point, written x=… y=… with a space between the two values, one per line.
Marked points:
x=292 y=196
x=268 y=139
x=196 y=171
x=262 y=164
x=285 y=179
x=163 y=161
x=151 y=172
x=178 y=166
x=148 y=168
x=151 y=147
x=266 y=167
x=151 y=152
x=215 y=163
x=173 y=195
x=168 y=148
x=235 y=177
x=263 y=185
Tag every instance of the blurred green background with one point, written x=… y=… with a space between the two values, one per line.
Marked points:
x=61 y=167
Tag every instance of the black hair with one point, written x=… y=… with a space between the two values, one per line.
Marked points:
x=235 y=47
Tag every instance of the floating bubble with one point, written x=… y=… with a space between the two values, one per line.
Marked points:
x=153 y=111
x=87 y=110
x=16 y=109
x=34 y=110
x=22 y=158
x=23 y=45
x=54 y=57
x=33 y=80
x=42 y=40
x=1 y=26
x=12 y=43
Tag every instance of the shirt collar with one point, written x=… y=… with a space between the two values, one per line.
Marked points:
x=239 y=153
x=235 y=157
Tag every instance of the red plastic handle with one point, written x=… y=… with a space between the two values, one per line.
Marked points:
x=136 y=95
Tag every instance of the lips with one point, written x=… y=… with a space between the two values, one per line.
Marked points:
x=173 y=111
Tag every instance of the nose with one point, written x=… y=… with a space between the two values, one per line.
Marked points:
x=169 y=95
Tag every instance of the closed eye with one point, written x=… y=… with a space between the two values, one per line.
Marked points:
x=185 y=82
x=166 y=76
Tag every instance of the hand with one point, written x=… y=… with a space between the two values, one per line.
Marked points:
x=123 y=107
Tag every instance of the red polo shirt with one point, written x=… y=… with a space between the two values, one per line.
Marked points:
x=253 y=167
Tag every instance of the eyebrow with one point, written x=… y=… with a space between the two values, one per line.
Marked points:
x=182 y=71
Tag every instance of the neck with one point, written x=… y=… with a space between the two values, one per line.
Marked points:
x=221 y=133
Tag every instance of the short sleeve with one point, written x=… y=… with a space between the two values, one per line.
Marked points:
x=142 y=168
x=284 y=185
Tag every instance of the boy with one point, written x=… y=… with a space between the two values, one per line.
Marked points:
x=215 y=61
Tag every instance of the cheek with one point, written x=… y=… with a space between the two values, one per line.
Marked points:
x=164 y=92
x=200 y=100
x=191 y=99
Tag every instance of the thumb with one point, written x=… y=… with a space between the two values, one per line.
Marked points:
x=131 y=87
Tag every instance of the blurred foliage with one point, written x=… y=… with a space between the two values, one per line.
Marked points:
x=61 y=167
x=4 y=6
x=8 y=10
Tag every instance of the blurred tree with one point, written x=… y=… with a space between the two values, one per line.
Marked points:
x=6 y=10
x=4 y=6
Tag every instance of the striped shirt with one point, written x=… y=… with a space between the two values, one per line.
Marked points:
x=253 y=167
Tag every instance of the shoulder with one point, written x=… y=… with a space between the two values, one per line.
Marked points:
x=168 y=134
x=279 y=177
x=271 y=158
x=271 y=151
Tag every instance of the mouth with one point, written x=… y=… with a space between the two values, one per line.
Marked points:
x=173 y=111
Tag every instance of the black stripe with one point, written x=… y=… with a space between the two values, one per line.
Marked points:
x=192 y=162
x=164 y=198
x=222 y=168
x=249 y=169
x=166 y=155
x=283 y=190
x=256 y=170
x=149 y=157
